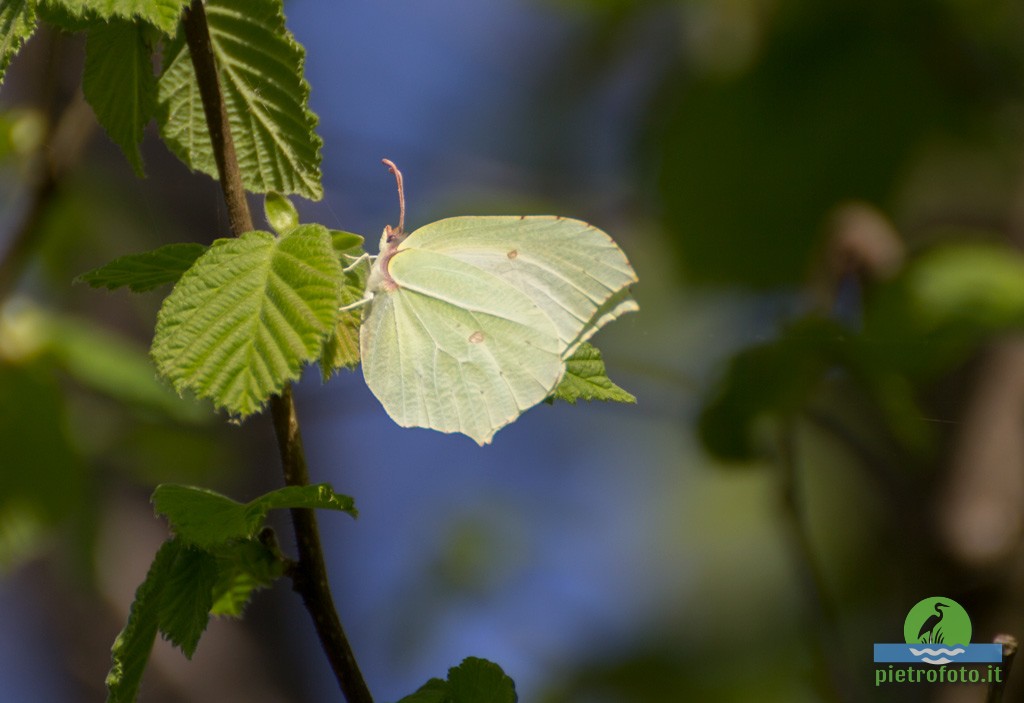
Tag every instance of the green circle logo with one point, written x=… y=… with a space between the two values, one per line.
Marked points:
x=937 y=620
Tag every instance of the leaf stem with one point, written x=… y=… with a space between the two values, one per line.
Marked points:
x=309 y=573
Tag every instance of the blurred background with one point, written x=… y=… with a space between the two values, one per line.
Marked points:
x=825 y=206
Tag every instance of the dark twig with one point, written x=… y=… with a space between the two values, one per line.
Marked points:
x=309 y=574
x=997 y=688
x=200 y=48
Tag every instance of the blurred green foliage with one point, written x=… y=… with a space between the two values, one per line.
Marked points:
x=79 y=396
x=835 y=102
x=764 y=118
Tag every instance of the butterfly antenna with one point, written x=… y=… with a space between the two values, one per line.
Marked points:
x=401 y=192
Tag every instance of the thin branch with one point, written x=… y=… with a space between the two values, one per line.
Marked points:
x=309 y=577
x=200 y=48
x=309 y=574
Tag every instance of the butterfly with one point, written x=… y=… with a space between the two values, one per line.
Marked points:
x=471 y=319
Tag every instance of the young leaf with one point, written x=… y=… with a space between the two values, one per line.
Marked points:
x=17 y=23
x=187 y=597
x=480 y=681
x=433 y=691
x=132 y=647
x=208 y=519
x=319 y=496
x=266 y=95
x=118 y=82
x=243 y=567
x=585 y=378
x=143 y=272
x=241 y=322
x=341 y=350
x=473 y=681
x=280 y=213
x=163 y=14
x=346 y=243
x=204 y=517
x=66 y=16
x=185 y=584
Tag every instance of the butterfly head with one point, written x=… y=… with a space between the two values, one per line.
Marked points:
x=391 y=238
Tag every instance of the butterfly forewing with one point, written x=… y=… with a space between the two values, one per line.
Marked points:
x=573 y=271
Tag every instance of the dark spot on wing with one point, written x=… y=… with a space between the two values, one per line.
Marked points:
x=476 y=337
x=513 y=254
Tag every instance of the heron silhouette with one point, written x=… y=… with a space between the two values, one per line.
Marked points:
x=927 y=633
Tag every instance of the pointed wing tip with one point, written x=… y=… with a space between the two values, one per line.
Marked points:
x=481 y=440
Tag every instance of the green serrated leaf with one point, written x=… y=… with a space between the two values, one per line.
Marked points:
x=480 y=681
x=119 y=84
x=341 y=350
x=346 y=243
x=585 y=379
x=241 y=322
x=266 y=95
x=60 y=15
x=204 y=517
x=473 y=681
x=163 y=14
x=433 y=691
x=145 y=271
x=187 y=597
x=17 y=24
x=316 y=497
x=131 y=649
x=208 y=519
x=244 y=567
x=280 y=213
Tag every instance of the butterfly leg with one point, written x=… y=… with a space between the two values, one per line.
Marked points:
x=356 y=261
x=358 y=304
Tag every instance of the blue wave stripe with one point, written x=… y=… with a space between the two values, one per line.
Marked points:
x=972 y=653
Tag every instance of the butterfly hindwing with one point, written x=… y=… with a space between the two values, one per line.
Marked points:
x=456 y=348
